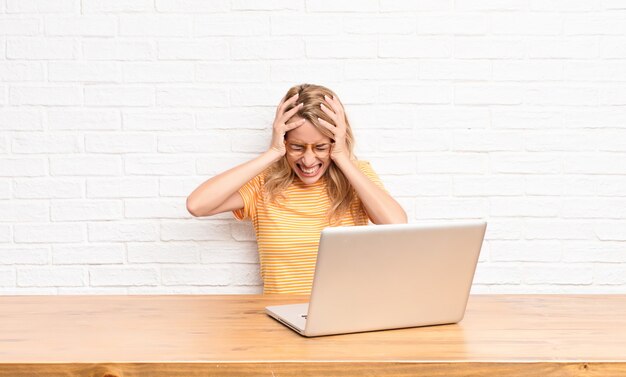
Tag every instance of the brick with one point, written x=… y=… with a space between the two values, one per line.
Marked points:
x=613 y=48
x=531 y=163
x=194 y=230
x=340 y=48
x=457 y=24
x=157 y=72
x=155 y=208
x=19 y=26
x=11 y=255
x=487 y=48
x=524 y=207
x=48 y=143
x=415 y=47
x=451 y=117
x=154 y=26
x=7 y=277
x=262 y=48
x=504 y=229
x=88 y=254
x=560 y=141
x=122 y=231
x=525 y=251
x=195 y=143
x=232 y=72
x=119 y=96
x=564 y=5
x=20 y=120
x=451 y=208
x=413 y=5
x=306 y=24
x=483 y=141
x=46 y=277
x=488 y=186
x=266 y=5
x=177 y=187
x=455 y=69
x=396 y=70
x=420 y=94
x=240 y=118
x=610 y=186
x=21 y=71
x=127 y=187
x=81 y=71
x=202 y=275
x=91 y=119
x=488 y=94
x=607 y=70
x=84 y=26
x=594 y=163
x=120 y=143
x=594 y=24
x=216 y=164
x=122 y=276
x=550 y=229
x=379 y=25
x=562 y=48
x=42 y=6
x=610 y=230
x=335 y=7
x=117 y=6
x=46 y=96
x=192 y=97
x=518 y=118
x=593 y=251
x=558 y=185
x=83 y=165
x=80 y=210
x=169 y=252
x=118 y=49
x=158 y=165
x=246 y=274
x=464 y=163
x=5 y=189
x=383 y=116
x=43 y=188
x=38 y=48
x=157 y=121
x=23 y=211
x=421 y=185
x=609 y=274
x=562 y=96
x=48 y=233
x=232 y=25
x=193 y=50
x=527 y=70
x=497 y=273
x=22 y=167
x=602 y=208
x=558 y=274
x=5 y=233
x=522 y=23
x=398 y=164
x=250 y=142
x=192 y=6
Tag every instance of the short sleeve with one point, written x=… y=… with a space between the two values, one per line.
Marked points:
x=366 y=168
x=249 y=193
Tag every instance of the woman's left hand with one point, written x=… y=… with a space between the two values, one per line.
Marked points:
x=338 y=127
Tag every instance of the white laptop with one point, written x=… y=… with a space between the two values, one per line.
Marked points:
x=382 y=277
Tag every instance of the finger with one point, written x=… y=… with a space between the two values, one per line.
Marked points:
x=328 y=111
x=335 y=104
x=327 y=125
x=286 y=102
x=287 y=115
x=292 y=125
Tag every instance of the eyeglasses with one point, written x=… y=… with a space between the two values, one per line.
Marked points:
x=298 y=149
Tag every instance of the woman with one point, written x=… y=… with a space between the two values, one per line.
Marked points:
x=307 y=180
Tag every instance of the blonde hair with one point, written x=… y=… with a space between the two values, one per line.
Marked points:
x=280 y=175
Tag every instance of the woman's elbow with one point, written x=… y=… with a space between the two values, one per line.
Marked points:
x=193 y=208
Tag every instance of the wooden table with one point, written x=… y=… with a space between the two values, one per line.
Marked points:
x=523 y=335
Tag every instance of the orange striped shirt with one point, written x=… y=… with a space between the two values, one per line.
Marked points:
x=288 y=230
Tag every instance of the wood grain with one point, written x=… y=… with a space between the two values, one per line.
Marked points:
x=547 y=335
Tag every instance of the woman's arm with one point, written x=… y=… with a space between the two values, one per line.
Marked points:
x=380 y=206
x=220 y=193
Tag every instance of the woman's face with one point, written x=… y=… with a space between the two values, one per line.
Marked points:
x=308 y=151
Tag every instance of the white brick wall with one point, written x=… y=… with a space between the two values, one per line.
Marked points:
x=112 y=112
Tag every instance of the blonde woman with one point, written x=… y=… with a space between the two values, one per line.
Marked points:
x=307 y=180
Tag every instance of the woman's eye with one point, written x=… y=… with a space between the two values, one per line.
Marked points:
x=322 y=148
x=296 y=147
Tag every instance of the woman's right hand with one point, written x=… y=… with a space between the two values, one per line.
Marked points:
x=281 y=127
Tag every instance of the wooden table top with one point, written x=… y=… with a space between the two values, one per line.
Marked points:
x=235 y=328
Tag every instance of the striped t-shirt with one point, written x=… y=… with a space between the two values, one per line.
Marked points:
x=288 y=230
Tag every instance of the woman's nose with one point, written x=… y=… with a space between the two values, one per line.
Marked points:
x=309 y=157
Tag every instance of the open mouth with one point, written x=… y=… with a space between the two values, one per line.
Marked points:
x=310 y=171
